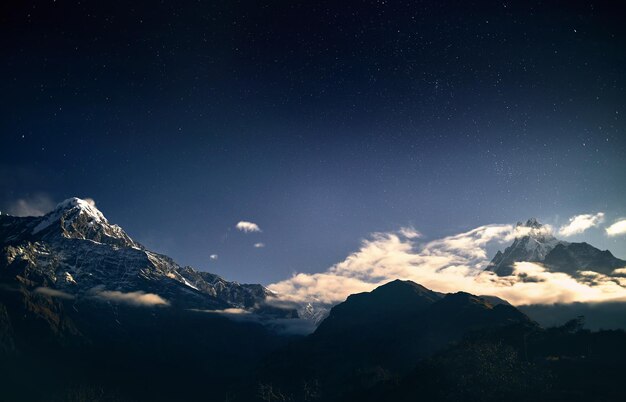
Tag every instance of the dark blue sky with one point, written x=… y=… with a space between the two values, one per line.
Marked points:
x=320 y=121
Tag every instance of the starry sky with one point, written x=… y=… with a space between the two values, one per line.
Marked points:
x=319 y=121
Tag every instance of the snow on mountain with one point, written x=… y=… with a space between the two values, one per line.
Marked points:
x=536 y=243
x=80 y=219
x=75 y=249
x=532 y=244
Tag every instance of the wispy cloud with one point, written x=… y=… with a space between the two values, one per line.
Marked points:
x=449 y=264
x=259 y=245
x=409 y=232
x=616 y=229
x=247 y=227
x=53 y=293
x=579 y=223
x=291 y=326
x=213 y=257
x=36 y=205
x=138 y=298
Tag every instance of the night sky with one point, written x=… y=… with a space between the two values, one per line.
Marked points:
x=321 y=122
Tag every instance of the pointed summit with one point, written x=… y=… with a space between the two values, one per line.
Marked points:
x=532 y=223
x=77 y=218
x=533 y=241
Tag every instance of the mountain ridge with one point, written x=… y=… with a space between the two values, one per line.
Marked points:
x=537 y=244
x=75 y=250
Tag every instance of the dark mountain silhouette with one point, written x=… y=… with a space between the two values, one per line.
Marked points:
x=382 y=334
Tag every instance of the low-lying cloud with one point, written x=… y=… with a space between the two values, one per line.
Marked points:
x=580 y=223
x=247 y=227
x=292 y=326
x=53 y=293
x=138 y=298
x=451 y=264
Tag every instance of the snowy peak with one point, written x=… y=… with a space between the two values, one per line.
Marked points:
x=80 y=219
x=533 y=242
x=535 y=229
x=82 y=206
x=531 y=223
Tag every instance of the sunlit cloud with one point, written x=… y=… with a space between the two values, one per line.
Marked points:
x=247 y=227
x=259 y=245
x=213 y=257
x=90 y=201
x=616 y=229
x=451 y=264
x=580 y=223
x=409 y=232
x=138 y=298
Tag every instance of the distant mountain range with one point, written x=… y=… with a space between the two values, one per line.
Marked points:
x=539 y=245
x=89 y=314
x=75 y=252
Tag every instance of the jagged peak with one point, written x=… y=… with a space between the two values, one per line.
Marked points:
x=534 y=231
x=70 y=207
x=531 y=223
x=80 y=219
x=87 y=206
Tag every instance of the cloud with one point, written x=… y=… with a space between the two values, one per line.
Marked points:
x=226 y=311
x=292 y=326
x=90 y=201
x=616 y=229
x=620 y=271
x=259 y=245
x=579 y=223
x=138 y=298
x=451 y=264
x=213 y=257
x=409 y=232
x=53 y=293
x=36 y=205
x=247 y=227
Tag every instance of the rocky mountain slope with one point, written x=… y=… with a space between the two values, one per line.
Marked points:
x=536 y=243
x=74 y=252
x=376 y=335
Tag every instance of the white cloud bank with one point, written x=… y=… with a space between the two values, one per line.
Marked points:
x=616 y=229
x=580 y=223
x=452 y=264
x=247 y=227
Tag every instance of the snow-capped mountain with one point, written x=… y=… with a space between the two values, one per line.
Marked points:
x=536 y=243
x=315 y=313
x=75 y=250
